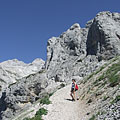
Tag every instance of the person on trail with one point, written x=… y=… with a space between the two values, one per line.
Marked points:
x=72 y=94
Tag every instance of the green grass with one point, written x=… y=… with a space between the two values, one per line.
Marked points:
x=92 y=118
x=115 y=67
x=51 y=94
x=101 y=68
x=114 y=80
x=94 y=73
x=90 y=76
x=98 y=113
x=45 y=100
x=96 y=83
x=41 y=112
x=38 y=115
x=105 y=98
x=101 y=77
x=110 y=76
x=116 y=99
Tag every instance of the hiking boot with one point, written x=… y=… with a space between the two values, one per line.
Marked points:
x=73 y=99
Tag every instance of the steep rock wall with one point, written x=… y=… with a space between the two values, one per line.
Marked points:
x=79 y=51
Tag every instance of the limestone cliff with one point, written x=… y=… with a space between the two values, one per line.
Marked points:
x=79 y=51
x=76 y=53
x=12 y=71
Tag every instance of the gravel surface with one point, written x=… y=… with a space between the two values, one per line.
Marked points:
x=62 y=108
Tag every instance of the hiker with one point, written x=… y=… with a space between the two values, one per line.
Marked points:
x=72 y=94
x=74 y=88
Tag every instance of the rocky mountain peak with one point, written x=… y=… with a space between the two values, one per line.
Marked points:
x=103 y=38
x=75 y=26
x=13 y=62
x=100 y=40
x=12 y=71
x=38 y=61
x=76 y=53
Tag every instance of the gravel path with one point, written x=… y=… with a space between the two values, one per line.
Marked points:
x=62 y=108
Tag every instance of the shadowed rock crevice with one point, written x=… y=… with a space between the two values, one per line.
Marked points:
x=3 y=105
x=102 y=39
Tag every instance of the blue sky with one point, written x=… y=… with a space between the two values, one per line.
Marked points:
x=26 y=25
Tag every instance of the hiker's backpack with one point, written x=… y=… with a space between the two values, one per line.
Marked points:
x=76 y=87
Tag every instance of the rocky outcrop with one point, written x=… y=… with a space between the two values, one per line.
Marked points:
x=12 y=71
x=103 y=38
x=22 y=94
x=64 y=52
x=74 y=54
x=79 y=51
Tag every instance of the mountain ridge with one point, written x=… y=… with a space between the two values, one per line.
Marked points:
x=76 y=53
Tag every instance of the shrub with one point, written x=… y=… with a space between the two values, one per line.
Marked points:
x=105 y=98
x=45 y=100
x=114 y=80
x=92 y=118
x=116 y=99
x=62 y=85
x=41 y=112
x=38 y=115
x=51 y=94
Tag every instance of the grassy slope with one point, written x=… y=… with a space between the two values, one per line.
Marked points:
x=101 y=88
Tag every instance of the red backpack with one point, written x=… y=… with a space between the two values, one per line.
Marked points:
x=76 y=87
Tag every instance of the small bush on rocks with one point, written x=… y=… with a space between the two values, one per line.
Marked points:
x=92 y=118
x=62 y=85
x=51 y=94
x=45 y=100
x=38 y=115
x=116 y=99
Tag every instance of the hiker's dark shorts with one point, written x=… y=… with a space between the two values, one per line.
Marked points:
x=72 y=90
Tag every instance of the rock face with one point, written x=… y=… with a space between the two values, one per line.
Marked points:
x=63 y=53
x=74 y=54
x=14 y=70
x=103 y=37
x=79 y=51
x=20 y=95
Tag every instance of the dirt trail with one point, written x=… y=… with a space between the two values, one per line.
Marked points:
x=62 y=108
